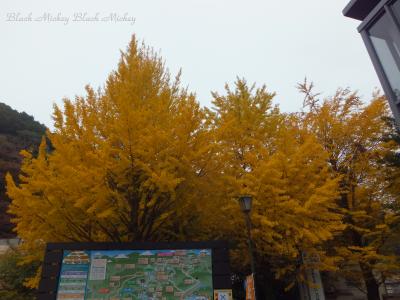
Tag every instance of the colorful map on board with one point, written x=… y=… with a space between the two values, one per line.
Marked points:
x=136 y=275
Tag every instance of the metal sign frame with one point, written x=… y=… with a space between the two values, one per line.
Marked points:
x=221 y=273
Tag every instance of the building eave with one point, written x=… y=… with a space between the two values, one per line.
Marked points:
x=359 y=9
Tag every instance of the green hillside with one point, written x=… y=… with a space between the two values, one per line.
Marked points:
x=17 y=131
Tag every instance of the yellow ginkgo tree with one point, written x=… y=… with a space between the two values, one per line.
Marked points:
x=353 y=134
x=266 y=154
x=122 y=164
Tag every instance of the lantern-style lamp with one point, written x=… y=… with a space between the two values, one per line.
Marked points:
x=245 y=202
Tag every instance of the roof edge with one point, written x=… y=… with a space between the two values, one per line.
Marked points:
x=359 y=9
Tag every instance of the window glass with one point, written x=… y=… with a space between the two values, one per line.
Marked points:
x=385 y=39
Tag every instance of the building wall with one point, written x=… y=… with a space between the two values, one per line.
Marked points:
x=6 y=244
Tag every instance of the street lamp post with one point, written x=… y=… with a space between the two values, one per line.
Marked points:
x=380 y=31
x=245 y=202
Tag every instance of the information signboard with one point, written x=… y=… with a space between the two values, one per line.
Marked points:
x=145 y=271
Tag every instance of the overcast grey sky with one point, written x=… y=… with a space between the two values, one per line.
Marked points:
x=276 y=43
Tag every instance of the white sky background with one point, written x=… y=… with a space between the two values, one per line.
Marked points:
x=276 y=43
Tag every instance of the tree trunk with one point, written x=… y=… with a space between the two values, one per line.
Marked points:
x=370 y=282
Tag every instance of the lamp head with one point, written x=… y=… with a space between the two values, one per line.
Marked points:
x=245 y=202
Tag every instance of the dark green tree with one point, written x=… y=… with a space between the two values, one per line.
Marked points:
x=13 y=275
x=17 y=131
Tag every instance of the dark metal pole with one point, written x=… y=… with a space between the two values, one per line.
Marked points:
x=250 y=242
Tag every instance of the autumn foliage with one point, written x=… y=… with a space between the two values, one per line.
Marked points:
x=141 y=160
